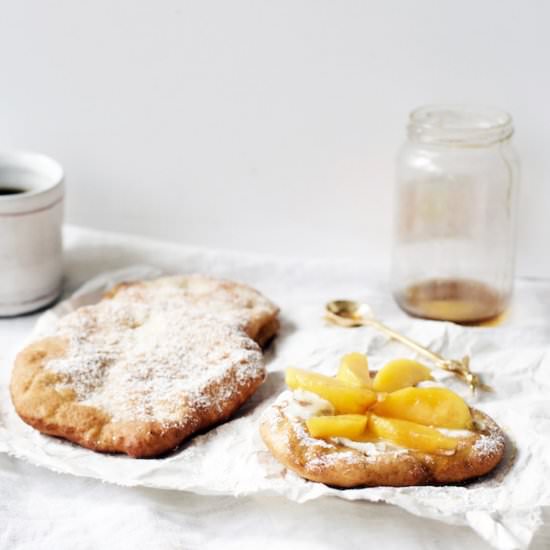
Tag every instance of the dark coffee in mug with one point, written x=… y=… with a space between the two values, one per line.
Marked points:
x=10 y=190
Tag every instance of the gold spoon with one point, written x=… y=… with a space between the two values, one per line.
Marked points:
x=347 y=313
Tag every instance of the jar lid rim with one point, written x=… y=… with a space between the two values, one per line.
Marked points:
x=456 y=123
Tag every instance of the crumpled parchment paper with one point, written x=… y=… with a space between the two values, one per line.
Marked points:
x=504 y=508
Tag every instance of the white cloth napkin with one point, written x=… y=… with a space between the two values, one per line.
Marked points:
x=504 y=509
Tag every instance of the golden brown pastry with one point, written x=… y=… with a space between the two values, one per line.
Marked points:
x=148 y=366
x=343 y=463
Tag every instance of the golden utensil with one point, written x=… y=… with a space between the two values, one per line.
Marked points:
x=347 y=313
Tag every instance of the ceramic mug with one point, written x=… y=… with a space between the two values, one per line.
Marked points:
x=31 y=212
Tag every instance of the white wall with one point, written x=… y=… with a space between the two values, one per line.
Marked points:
x=264 y=125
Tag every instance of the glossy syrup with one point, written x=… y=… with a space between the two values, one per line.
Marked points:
x=458 y=300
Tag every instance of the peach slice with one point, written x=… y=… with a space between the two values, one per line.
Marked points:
x=350 y=426
x=400 y=373
x=354 y=370
x=428 y=406
x=411 y=435
x=346 y=399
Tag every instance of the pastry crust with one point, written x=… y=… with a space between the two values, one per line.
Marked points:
x=346 y=467
x=255 y=314
x=141 y=371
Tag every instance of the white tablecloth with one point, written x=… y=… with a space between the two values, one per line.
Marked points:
x=41 y=509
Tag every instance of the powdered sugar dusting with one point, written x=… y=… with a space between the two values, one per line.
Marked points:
x=490 y=441
x=153 y=360
x=233 y=302
x=487 y=445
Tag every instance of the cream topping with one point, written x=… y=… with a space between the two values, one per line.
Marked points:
x=304 y=404
x=458 y=434
x=371 y=448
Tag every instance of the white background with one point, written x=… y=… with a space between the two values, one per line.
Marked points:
x=265 y=126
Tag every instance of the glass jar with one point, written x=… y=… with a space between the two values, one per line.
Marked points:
x=455 y=223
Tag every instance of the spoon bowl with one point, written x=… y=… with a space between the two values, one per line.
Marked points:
x=350 y=310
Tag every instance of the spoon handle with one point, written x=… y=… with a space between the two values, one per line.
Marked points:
x=461 y=368
x=435 y=357
x=458 y=368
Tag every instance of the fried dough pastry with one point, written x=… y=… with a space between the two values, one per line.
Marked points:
x=347 y=464
x=148 y=366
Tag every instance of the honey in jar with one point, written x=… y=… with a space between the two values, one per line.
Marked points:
x=460 y=301
x=455 y=214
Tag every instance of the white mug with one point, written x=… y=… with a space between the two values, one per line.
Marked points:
x=31 y=213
